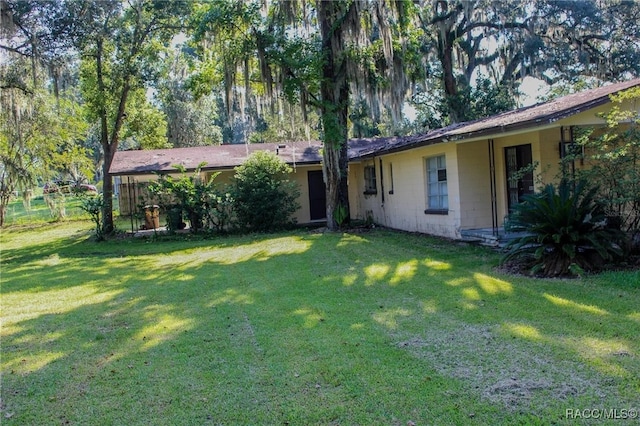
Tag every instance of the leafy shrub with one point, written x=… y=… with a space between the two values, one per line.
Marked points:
x=613 y=158
x=93 y=205
x=340 y=214
x=261 y=198
x=564 y=231
x=264 y=198
x=219 y=210
x=188 y=195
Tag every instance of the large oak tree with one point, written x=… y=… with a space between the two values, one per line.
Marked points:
x=316 y=55
x=119 y=43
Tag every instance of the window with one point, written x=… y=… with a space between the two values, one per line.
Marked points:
x=391 y=177
x=437 y=193
x=370 y=180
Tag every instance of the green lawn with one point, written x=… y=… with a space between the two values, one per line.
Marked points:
x=37 y=211
x=304 y=328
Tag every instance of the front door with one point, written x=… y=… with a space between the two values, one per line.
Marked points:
x=317 y=195
x=519 y=183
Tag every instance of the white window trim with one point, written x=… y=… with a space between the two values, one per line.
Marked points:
x=370 y=189
x=429 y=209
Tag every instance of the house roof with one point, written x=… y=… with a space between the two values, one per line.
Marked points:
x=229 y=156
x=519 y=119
x=216 y=157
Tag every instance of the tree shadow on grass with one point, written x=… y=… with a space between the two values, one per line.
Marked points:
x=559 y=338
x=269 y=329
x=550 y=339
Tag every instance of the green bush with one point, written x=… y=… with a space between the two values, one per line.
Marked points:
x=613 y=163
x=93 y=205
x=264 y=198
x=185 y=195
x=565 y=231
x=219 y=211
x=260 y=199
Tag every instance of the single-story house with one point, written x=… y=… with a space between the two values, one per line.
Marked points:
x=134 y=169
x=449 y=182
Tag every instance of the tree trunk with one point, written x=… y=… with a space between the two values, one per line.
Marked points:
x=107 y=192
x=445 y=54
x=3 y=210
x=110 y=149
x=335 y=100
x=109 y=143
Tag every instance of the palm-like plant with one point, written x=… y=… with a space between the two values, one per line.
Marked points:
x=564 y=230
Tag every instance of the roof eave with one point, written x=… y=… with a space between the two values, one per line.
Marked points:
x=492 y=131
x=134 y=172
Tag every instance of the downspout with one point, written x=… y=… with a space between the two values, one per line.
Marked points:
x=381 y=182
x=492 y=184
x=566 y=138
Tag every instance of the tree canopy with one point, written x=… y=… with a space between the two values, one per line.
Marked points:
x=147 y=74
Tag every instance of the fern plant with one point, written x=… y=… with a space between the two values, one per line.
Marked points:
x=564 y=230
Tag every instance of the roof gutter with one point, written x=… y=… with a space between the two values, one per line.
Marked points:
x=192 y=169
x=494 y=131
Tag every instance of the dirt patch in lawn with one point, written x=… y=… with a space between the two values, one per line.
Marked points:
x=519 y=374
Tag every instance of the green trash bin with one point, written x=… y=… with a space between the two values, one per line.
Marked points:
x=174 y=219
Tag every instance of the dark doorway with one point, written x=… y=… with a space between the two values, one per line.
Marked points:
x=317 y=195
x=518 y=183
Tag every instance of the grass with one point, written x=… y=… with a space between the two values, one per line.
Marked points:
x=303 y=328
x=38 y=211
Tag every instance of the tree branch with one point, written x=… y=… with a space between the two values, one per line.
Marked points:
x=441 y=18
x=16 y=49
x=22 y=88
x=502 y=25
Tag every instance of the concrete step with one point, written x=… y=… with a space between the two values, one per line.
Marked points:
x=488 y=238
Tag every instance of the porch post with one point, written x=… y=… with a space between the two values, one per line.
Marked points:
x=129 y=196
